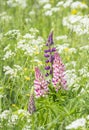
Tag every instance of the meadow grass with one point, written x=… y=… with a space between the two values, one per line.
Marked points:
x=24 y=29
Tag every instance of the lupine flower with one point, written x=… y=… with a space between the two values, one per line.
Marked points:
x=49 y=54
x=58 y=73
x=31 y=105
x=41 y=86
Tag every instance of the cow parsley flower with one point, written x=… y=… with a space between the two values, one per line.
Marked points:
x=76 y=124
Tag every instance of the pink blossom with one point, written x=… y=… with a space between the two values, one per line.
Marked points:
x=41 y=86
x=58 y=73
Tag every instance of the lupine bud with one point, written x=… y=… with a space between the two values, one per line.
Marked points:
x=47 y=74
x=31 y=105
x=58 y=73
x=46 y=51
x=53 y=50
x=47 y=67
x=47 y=61
x=41 y=86
x=46 y=55
x=50 y=38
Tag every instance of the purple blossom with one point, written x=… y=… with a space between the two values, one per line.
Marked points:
x=46 y=55
x=46 y=51
x=50 y=38
x=49 y=52
x=47 y=67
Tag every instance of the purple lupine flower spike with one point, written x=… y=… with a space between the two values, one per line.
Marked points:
x=49 y=54
x=59 y=79
x=41 y=86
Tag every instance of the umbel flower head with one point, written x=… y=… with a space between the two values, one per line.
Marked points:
x=41 y=86
x=58 y=73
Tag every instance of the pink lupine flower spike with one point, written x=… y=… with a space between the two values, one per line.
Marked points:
x=59 y=79
x=41 y=86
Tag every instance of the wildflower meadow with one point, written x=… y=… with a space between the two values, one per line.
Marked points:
x=44 y=64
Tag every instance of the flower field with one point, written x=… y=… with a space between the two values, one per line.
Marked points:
x=44 y=69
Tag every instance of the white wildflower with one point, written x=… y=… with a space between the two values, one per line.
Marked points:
x=17 y=67
x=78 y=4
x=8 y=70
x=76 y=23
x=72 y=50
x=43 y=1
x=28 y=36
x=83 y=71
x=27 y=20
x=48 y=13
x=13 y=120
x=31 y=13
x=15 y=3
x=86 y=47
x=8 y=54
x=67 y=3
x=47 y=6
x=34 y=30
x=60 y=3
x=5 y=17
x=26 y=127
x=61 y=37
x=88 y=117
x=76 y=124
x=71 y=77
x=7 y=47
x=13 y=33
x=60 y=48
x=55 y=9
x=4 y=114
x=24 y=112
x=73 y=63
x=12 y=72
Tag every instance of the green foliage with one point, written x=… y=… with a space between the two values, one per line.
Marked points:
x=23 y=34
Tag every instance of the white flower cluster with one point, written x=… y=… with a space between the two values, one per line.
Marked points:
x=71 y=77
x=78 y=4
x=15 y=3
x=86 y=48
x=76 y=124
x=13 y=33
x=5 y=17
x=84 y=72
x=12 y=118
x=8 y=54
x=4 y=115
x=31 y=44
x=63 y=37
x=60 y=48
x=76 y=23
x=71 y=4
x=12 y=72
